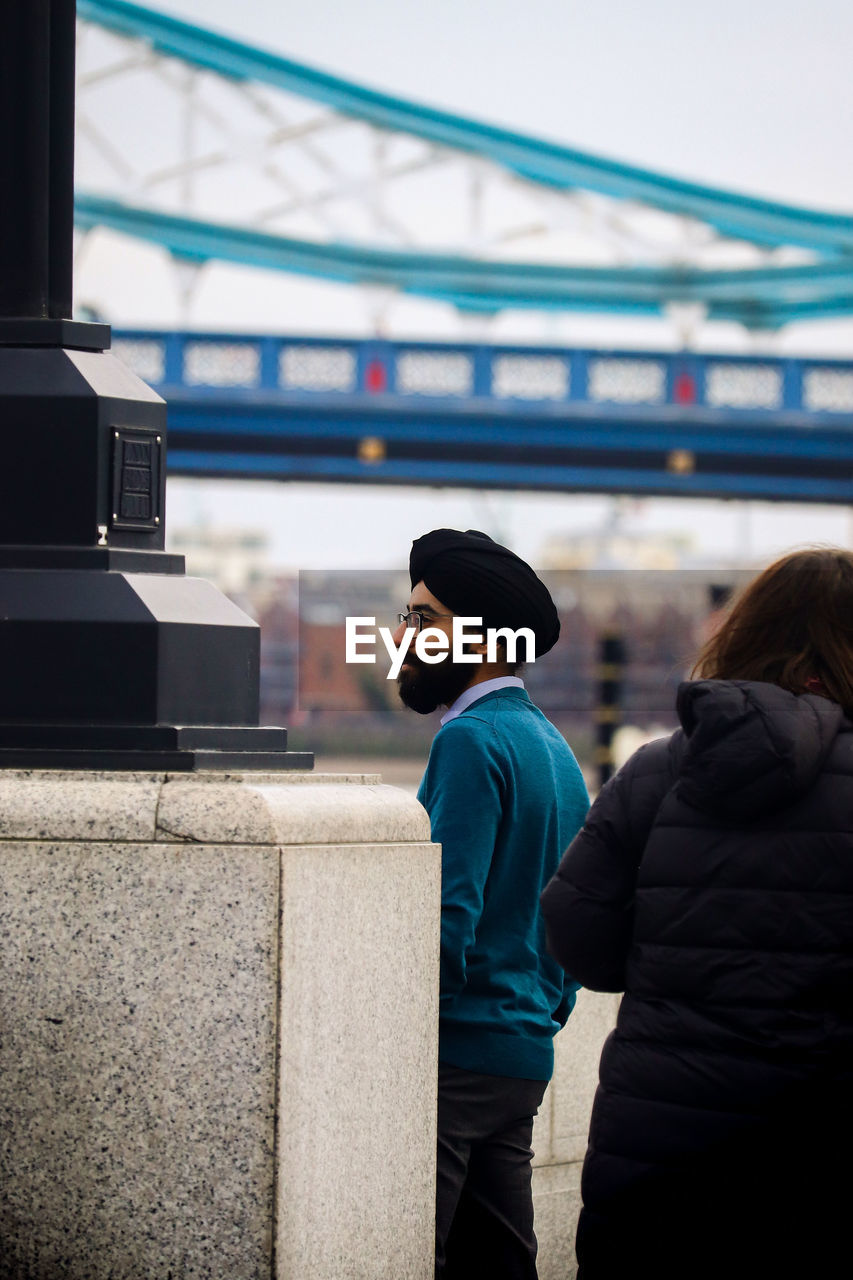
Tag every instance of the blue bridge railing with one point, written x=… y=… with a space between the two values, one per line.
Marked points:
x=504 y=374
x=295 y=407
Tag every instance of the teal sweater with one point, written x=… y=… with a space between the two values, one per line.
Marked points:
x=505 y=798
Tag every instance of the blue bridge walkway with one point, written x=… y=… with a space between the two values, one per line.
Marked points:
x=372 y=411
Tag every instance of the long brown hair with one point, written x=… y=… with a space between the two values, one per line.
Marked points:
x=792 y=624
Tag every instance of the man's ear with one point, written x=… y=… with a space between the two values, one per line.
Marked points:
x=470 y=647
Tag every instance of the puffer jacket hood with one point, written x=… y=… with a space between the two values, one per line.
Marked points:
x=751 y=748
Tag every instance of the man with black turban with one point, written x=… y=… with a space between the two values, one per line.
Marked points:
x=505 y=797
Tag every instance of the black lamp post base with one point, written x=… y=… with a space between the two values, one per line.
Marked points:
x=158 y=761
x=149 y=748
x=110 y=658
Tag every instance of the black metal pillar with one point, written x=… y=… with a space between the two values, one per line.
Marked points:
x=109 y=656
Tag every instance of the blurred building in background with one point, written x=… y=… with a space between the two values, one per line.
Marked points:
x=353 y=709
x=236 y=560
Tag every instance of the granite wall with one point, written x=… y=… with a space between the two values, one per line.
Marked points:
x=560 y=1132
x=218 y=1025
x=218 y=1004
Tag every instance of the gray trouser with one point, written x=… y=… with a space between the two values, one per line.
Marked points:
x=484 y=1201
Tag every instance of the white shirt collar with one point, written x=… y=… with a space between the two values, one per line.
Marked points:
x=475 y=691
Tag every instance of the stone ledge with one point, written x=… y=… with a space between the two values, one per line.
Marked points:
x=249 y=808
x=42 y=805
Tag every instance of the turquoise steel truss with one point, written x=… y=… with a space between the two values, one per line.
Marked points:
x=812 y=279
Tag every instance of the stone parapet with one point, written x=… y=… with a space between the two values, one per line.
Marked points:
x=218 y=1003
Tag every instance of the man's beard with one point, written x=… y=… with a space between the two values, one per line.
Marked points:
x=423 y=687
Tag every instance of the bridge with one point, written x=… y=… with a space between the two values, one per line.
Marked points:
x=380 y=412
x=468 y=414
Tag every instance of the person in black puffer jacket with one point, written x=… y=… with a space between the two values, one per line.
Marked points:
x=713 y=884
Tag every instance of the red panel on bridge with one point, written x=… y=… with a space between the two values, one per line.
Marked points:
x=684 y=389
x=376 y=376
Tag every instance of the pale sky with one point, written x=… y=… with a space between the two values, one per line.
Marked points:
x=755 y=95
x=752 y=94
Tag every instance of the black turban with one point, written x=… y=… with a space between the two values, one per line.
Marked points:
x=478 y=578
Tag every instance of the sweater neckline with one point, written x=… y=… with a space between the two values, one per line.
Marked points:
x=514 y=691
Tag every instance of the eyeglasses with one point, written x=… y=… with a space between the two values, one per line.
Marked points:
x=414 y=618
